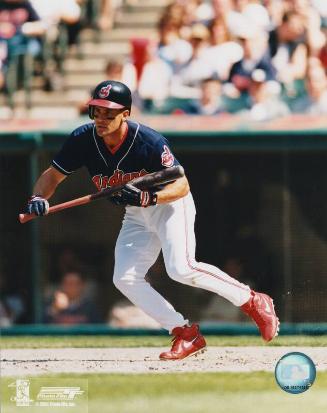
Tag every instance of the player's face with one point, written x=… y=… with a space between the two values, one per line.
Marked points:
x=108 y=121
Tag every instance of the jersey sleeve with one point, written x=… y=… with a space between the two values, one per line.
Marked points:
x=162 y=156
x=71 y=156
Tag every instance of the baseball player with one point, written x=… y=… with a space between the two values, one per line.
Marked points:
x=115 y=150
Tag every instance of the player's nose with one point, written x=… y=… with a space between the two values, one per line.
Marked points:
x=102 y=122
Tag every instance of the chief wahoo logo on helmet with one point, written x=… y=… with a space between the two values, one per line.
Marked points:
x=104 y=91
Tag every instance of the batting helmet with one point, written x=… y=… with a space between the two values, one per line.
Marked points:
x=110 y=94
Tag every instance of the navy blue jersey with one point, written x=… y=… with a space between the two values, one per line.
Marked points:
x=143 y=151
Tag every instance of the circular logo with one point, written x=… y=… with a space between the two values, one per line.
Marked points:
x=295 y=372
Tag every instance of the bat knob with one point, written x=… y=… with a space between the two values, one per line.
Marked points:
x=26 y=217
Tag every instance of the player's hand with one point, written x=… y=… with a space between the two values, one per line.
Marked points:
x=130 y=195
x=37 y=205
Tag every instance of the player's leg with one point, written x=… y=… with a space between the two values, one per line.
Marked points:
x=136 y=251
x=175 y=226
x=176 y=232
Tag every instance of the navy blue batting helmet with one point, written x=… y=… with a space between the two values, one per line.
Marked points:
x=112 y=95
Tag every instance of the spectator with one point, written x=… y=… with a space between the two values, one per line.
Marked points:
x=173 y=13
x=235 y=266
x=256 y=56
x=53 y=14
x=126 y=315
x=210 y=102
x=315 y=101
x=107 y=14
x=99 y=14
x=11 y=305
x=311 y=21
x=257 y=14
x=236 y=12
x=67 y=260
x=18 y=18
x=152 y=92
x=187 y=80
x=172 y=48
x=19 y=23
x=263 y=99
x=19 y=26
x=70 y=303
x=219 y=31
x=316 y=84
x=184 y=14
x=223 y=51
x=288 y=48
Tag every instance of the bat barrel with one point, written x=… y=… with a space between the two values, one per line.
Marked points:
x=159 y=177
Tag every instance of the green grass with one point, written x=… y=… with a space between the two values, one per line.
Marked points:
x=192 y=393
x=148 y=341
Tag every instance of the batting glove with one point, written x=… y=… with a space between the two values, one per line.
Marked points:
x=37 y=205
x=130 y=195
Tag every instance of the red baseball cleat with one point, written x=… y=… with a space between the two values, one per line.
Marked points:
x=187 y=342
x=260 y=308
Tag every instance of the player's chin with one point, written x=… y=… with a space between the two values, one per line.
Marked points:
x=102 y=130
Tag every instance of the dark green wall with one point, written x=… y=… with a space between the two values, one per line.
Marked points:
x=265 y=207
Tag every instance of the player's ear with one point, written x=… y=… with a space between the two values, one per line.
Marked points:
x=125 y=114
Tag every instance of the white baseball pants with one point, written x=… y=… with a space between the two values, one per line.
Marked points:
x=169 y=227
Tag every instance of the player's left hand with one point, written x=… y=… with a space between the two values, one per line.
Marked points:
x=130 y=195
x=37 y=205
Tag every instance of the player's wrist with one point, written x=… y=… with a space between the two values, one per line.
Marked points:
x=148 y=198
x=154 y=198
x=35 y=196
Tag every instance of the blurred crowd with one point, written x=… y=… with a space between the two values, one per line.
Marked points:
x=258 y=58
x=35 y=36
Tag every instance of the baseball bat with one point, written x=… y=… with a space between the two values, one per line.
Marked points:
x=147 y=181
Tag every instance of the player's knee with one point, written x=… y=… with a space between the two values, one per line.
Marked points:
x=179 y=272
x=120 y=282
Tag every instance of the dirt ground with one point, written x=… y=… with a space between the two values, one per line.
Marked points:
x=23 y=362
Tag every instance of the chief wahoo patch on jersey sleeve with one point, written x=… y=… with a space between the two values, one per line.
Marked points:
x=167 y=158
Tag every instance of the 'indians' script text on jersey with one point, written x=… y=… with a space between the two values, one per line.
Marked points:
x=143 y=151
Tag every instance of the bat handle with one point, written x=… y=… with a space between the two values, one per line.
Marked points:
x=59 y=207
x=26 y=217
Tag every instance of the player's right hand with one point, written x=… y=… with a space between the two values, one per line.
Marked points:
x=37 y=205
x=130 y=195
